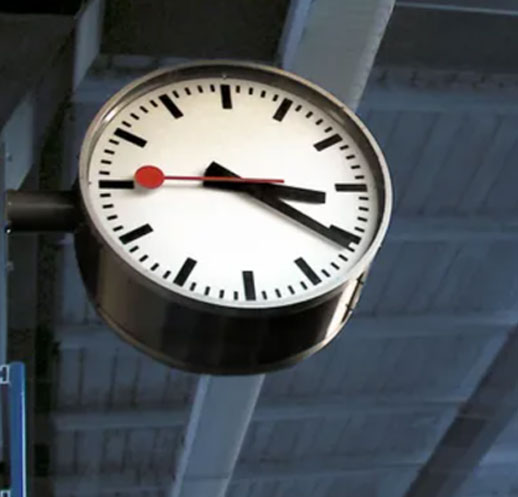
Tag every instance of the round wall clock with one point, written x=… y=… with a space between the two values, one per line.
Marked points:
x=231 y=211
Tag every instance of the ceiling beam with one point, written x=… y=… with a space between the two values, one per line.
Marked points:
x=130 y=482
x=453 y=229
x=283 y=409
x=494 y=7
x=324 y=467
x=346 y=35
x=338 y=45
x=467 y=440
x=401 y=89
x=294 y=26
x=47 y=58
x=219 y=419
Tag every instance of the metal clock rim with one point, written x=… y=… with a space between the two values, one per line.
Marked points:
x=113 y=105
x=215 y=370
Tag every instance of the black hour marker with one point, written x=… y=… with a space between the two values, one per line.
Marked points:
x=166 y=274
x=143 y=109
x=111 y=218
x=176 y=94
x=236 y=295
x=306 y=269
x=185 y=271
x=130 y=137
x=170 y=106
x=298 y=108
x=343 y=147
x=154 y=266
x=238 y=89
x=325 y=273
x=187 y=90
x=283 y=109
x=336 y=266
x=343 y=257
x=108 y=206
x=132 y=235
x=349 y=157
x=221 y=294
x=106 y=195
x=134 y=116
x=290 y=288
x=263 y=94
x=250 y=91
x=249 y=285
x=303 y=285
x=362 y=219
x=360 y=230
x=193 y=286
x=212 y=88
x=365 y=209
x=351 y=187
x=118 y=228
x=359 y=177
x=309 y=114
x=327 y=142
x=153 y=103
x=104 y=161
x=265 y=296
x=328 y=129
x=226 y=99
x=126 y=123
x=104 y=173
x=278 y=293
x=144 y=258
x=207 y=290
x=134 y=249
x=356 y=166
x=346 y=235
x=319 y=122
x=115 y=142
x=200 y=89
x=275 y=97
x=117 y=184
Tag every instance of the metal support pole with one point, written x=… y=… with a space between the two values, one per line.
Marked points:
x=41 y=211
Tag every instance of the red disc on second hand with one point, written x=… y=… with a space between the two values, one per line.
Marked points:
x=149 y=176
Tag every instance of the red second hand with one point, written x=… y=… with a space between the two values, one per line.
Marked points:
x=153 y=177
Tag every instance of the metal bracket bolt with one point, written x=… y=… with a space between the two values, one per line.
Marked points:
x=4 y=380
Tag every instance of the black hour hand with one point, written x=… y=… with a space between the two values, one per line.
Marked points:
x=281 y=191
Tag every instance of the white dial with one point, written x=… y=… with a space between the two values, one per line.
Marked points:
x=244 y=246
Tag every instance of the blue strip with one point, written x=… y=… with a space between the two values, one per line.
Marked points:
x=17 y=428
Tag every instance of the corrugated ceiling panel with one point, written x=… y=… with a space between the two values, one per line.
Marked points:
x=117 y=379
x=448 y=162
x=416 y=277
x=143 y=452
x=412 y=367
x=501 y=197
x=360 y=484
x=504 y=450
x=364 y=437
x=490 y=482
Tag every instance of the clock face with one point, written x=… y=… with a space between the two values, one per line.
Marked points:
x=241 y=243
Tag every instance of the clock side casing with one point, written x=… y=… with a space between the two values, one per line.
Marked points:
x=204 y=338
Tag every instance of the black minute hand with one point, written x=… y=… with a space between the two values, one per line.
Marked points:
x=333 y=233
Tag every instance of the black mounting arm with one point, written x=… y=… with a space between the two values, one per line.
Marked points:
x=37 y=211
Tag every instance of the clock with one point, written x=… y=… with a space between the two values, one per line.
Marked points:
x=231 y=212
